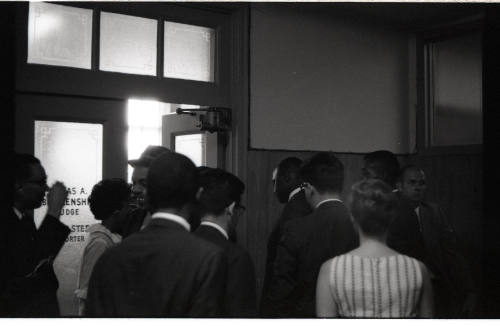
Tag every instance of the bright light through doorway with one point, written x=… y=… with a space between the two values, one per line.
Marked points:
x=144 y=126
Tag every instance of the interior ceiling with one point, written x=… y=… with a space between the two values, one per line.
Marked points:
x=403 y=15
x=417 y=15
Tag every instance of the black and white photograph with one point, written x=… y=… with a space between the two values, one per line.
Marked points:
x=263 y=161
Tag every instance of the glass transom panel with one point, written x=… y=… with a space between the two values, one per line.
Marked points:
x=128 y=44
x=189 y=52
x=59 y=35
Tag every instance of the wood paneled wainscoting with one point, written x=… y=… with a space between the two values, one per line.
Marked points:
x=454 y=181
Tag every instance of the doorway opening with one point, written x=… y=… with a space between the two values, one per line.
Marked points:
x=144 y=122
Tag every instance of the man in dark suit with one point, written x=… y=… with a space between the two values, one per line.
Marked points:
x=162 y=270
x=220 y=205
x=286 y=182
x=28 y=286
x=308 y=242
x=421 y=230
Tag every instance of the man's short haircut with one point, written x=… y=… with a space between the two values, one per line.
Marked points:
x=290 y=166
x=172 y=181
x=324 y=171
x=22 y=164
x=220 y=189
x=385 y=164
x=372 y=205
x=108 y=196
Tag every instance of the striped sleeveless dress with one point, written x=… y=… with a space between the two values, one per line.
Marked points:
x=384 y=287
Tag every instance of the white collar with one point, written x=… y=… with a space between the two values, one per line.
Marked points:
x=173 y=218
x=18 y=213
x=217 y=226
x=293 y=193
x=327 y=200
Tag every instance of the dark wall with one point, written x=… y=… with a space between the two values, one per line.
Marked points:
x=7 y=79
x=491 y=222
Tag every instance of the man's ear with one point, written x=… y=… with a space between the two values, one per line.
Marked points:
x=230 y=208
x=313 y=189
x=198 y=193
x=399 y=185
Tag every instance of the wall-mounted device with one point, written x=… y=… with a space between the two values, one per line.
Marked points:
x=211 y=119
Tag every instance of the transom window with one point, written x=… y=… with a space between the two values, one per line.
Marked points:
x=61 y=35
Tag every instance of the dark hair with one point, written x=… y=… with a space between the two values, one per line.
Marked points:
x=108 y=196
x=372 y=205
x=385 y=165
x=22 y=163
x=290 y=166
x=324 y=171
x=172 y=181
x=220 y=188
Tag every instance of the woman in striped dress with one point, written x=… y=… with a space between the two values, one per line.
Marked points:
x=373 y=281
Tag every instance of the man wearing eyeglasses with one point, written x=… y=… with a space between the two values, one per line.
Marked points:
x=29 y=284
x=219 y=199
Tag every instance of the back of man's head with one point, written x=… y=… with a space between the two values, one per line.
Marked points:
x=325 y=172
x=287 y=177
x=219 y=190
x=172 y=182
x=289 y=166
x=381 y=165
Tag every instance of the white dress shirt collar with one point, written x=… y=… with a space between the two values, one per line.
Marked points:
x=293 y=193
x=218 y=227
x=327 y=200
x=174 y=218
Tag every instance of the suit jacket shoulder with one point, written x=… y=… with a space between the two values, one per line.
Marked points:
x=240 y=297
x=186 y=273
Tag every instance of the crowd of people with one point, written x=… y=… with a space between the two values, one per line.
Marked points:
x=166 y=245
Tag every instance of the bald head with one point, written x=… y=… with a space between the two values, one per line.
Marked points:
x=412 y=184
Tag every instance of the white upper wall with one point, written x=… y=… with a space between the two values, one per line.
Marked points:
x=321 y=80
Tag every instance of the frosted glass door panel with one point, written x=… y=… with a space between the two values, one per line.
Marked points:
x=71 y=153
x=193 y=146
x=128 y=44
x=189 y=52
x=59 y=35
